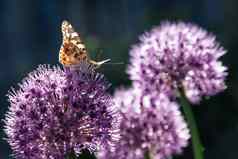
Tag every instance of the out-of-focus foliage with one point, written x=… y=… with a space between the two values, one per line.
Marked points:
x=30 y=35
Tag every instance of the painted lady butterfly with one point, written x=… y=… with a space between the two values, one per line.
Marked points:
x=73 y=50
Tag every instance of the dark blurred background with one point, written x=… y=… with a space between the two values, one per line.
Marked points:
x=30 y=35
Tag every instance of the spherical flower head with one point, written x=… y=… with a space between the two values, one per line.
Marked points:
x=177 y=56
x=149 y=123
x=59 y=111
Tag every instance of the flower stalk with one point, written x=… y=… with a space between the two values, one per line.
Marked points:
x=71 y=156
x=147 y=155
x=84 y=155
x=196 y=142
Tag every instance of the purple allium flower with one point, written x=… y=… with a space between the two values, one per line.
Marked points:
x=178 y=56
x=57 y=111
x=149 y=123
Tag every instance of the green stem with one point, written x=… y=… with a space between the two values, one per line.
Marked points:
x=71 y=156
x=147 y=155
x=197 y=146
x=84 y=155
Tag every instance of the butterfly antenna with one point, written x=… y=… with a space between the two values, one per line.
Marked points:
x=115 y=63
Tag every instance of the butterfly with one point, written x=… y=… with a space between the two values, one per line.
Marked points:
x=73 y=51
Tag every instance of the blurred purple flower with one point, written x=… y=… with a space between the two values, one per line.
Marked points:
x=57 y=111
x=178 y=56
x=149 y=123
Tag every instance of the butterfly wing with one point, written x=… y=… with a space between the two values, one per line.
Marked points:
x=72 y=50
